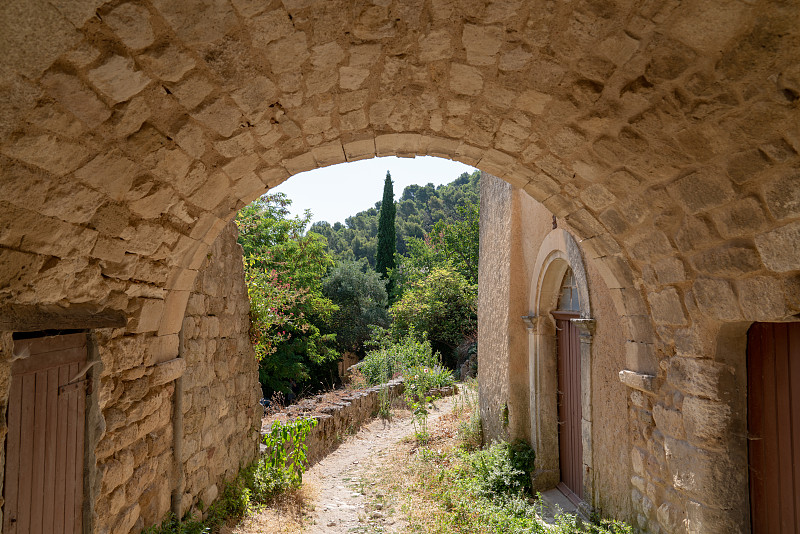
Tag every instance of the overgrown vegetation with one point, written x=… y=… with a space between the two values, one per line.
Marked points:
x=451 y=485
x=278 y=470
x=284 y=269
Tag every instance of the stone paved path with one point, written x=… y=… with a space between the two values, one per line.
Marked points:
x=346 y=501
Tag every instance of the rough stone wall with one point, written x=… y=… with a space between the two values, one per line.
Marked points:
x=494 y=271
x=221 y=413
x=131 y=412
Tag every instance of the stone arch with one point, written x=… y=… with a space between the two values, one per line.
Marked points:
x=665 y=139
x=558 y=253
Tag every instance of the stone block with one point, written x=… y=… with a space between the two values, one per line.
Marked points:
x=78 y=99
x=111 y=172
x=704 y=519
x=169 y=63
x=435 y=46
x=707 y=422
x=669 y=422
x=125 y=522
x=708 y=477
x=118 y=79
x=783 y=195
x=716 y=298
x=762 y=298
x=48 y=152
x=701 y=378
x=174 y=310
x=778 y=248
x=465 y=80
x=329 y=154
x=211 y=194
x=167 y=371
x=288 y=52
x=132 y=25
x=666 y=307
x=670 y=271
x=161 y=349
x=198 y=21
x=482 y=43
x=741 y=218
x=221 y=116
x=701 y=191
x=148 y=317
x=728 y=260
x=118 y=470
x=639 y=381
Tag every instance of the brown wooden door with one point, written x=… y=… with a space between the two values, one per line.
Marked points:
x=570 y=444
x=773 y=392
x=44 y=446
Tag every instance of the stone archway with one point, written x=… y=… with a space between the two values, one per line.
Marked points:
x=558 y=253
x=664 y=136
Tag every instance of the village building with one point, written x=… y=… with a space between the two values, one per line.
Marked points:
x=639 y=289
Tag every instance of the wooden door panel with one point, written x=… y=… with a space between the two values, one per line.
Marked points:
x=773 y=380
x=570 y=441
x=44 y=461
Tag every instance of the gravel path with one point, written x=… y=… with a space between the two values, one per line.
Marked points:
x=346 y=501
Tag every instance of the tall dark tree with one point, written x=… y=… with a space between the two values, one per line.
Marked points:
x=387 y=244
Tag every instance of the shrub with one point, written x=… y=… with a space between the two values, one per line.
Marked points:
x=394 y=359
x=279 y=469
x=443 y=305
x=504 y=469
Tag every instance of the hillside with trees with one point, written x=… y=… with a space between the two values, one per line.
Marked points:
x=418 y=209
x=315 y=293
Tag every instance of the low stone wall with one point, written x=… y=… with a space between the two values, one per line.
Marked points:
x=342 y=416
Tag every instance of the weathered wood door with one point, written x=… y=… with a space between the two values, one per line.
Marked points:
x=44 y=446
x=773 y=384
x=570 y=445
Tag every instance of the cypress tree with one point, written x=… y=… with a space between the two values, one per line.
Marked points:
x=384 y=258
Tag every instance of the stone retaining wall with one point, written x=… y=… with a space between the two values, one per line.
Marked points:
x=340 y=418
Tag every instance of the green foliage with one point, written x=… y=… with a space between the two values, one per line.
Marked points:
x=387 y=247
x=504 y=469
x=443 y=305
x=417 y=211
x=279 y=469
x=393 y=359
x=487 y=491
x=282 y=465
x=360 y=295
x=451 y=242
x=284 y=268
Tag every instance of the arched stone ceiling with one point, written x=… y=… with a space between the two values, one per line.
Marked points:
x=666 y=135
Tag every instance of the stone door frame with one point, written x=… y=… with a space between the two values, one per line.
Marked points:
x=558 y=252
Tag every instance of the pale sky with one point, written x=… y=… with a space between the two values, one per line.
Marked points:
x=339 y=191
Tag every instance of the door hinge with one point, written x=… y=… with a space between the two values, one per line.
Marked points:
x=84 y=383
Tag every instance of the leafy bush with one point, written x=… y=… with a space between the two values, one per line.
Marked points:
x=504 y=469
x=279 y=469
x=392 y=359
x=442 y=304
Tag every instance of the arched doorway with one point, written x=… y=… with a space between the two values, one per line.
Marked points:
x=570 y=447
x=560 y=368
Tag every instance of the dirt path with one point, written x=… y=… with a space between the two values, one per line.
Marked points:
x=345 y=501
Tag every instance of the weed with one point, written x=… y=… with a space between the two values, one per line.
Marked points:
x=278 y=470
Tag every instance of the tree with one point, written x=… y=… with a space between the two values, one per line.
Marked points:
x=284 y=268
x=384 y=257
x=360 y=294
x=442 y=304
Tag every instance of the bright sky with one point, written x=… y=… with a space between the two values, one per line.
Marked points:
x=339 y=191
